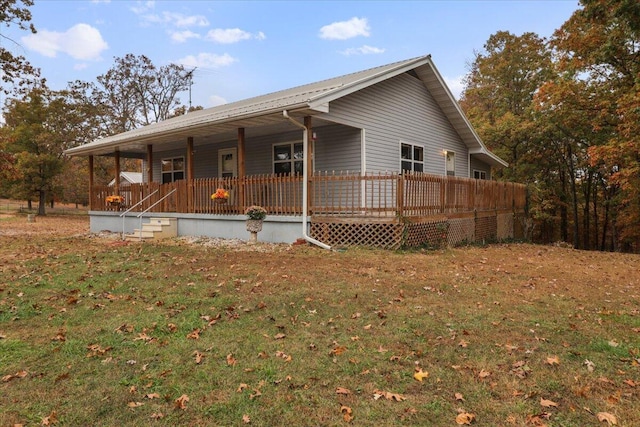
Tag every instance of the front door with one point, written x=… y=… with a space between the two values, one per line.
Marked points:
x=228 y=163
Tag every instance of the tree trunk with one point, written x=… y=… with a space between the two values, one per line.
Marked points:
x=42 y=201
x=574 y=196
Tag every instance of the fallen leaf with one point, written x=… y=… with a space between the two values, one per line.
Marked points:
x=338 y=350
x=465 y=418
x=51 y=419
x=590 y=365
x=157 y=415
x=152 y=396
x=279 y=336
x=342 y=390
x=195 y=334
x=347 y=413
x=484 y=374
x=553 y=360
x=548 y=403
x=181 y=402
x=459 y=397
x=242 y=387
x=609 y=418
x=256 y=393
x=246 y=419
x=231 y=361
x=377 y=394
x=199 y=356
x=419 y=375
x=134 y=404
x=463 y=343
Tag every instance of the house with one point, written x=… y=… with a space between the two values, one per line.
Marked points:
x=127 y=178
x=381 y=157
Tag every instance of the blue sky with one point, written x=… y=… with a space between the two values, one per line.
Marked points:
x=244 y=49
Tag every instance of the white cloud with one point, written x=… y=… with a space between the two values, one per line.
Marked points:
x=232 y=35
x=345 y=29
x=141 y=7
x=207 y=60
x=215 y=100
x=363 y=50
x=177 y=19
x=455 y=84
x=183 y=36
x=81 y=41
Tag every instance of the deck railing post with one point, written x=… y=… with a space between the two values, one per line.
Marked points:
x=400 y=195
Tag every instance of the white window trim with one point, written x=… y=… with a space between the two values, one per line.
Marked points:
x=172 y=171
x=446 y=153
x=480 y=172
x=222 y=152
x=413 y=162
x=291 y=144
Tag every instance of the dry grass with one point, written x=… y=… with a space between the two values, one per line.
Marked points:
x=97 y=332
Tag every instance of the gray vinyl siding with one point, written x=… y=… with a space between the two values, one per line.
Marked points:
x=337 y=148
x=401 y=109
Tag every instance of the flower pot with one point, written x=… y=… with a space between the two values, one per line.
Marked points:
x=254 y=225
x=220 y=201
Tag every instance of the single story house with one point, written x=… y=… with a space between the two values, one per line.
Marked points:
x=382 y=157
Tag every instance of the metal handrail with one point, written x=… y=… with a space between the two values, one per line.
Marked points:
x=151 y=207
x=122 y=215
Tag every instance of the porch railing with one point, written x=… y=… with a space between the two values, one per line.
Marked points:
x=343 y=194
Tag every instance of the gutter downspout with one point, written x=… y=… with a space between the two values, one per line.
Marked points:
x=305 y=160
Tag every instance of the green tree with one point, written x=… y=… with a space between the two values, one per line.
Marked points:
x=14 y=67
x=498 y=96
x=39 y=127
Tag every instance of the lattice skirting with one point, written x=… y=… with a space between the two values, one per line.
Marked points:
x=432 y=232
x=386 y=235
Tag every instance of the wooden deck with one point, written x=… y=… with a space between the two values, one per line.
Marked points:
x=379 y=197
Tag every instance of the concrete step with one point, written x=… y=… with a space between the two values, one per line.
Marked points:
x=156 y=228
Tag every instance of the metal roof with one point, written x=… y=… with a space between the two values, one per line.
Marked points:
x=266 y=111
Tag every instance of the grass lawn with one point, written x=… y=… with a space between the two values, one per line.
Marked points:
x=97 y=332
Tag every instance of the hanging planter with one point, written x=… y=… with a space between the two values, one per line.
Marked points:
x=114 y=200
x=220 y=197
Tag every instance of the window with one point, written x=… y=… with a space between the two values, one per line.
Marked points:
x=479 y=174
x=172 y=169
x=450 y=162
x=411 y=158
x=227 y=163
x=288 y=158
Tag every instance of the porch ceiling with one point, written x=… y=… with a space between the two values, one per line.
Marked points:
x=204 y=134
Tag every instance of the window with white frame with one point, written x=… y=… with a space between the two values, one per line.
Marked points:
x=288 y=158
x=450 y=163
x=411 y=157
x=478 y=174
x=172 y=169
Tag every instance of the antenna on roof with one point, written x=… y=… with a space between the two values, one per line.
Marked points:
x=190 y=75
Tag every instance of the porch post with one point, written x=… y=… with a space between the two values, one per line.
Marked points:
x=117 y=162
x=189 y=174
x=90 y=182
x=310 y=144
x=149 y=163
x=189 y=158
x=241 y=169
